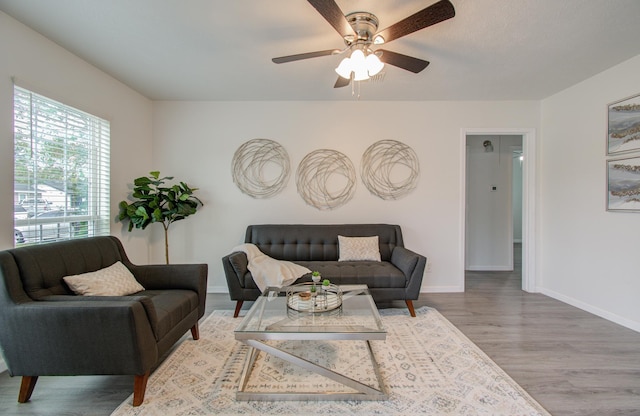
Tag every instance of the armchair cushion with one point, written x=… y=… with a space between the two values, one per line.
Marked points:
x=115 y=280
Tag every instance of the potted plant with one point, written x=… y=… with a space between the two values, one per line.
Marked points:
x=155 y=202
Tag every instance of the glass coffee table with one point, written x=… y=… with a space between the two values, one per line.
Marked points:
x=272 y=322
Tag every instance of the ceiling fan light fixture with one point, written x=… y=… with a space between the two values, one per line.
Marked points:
x=357 y=59
x=344 y=69
x=361 y=66
x=374 y=64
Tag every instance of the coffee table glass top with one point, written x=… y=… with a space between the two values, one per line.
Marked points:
x=270 y=318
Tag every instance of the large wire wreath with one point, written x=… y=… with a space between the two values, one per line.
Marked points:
x=250 y=163
x=317 y=176
x=378 y=163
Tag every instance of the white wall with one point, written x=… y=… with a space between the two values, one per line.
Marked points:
x=43 y=66
x=195 y=141
x=489 y=217
x=589 y=257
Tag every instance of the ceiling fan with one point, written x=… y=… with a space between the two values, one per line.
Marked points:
x=360 y=33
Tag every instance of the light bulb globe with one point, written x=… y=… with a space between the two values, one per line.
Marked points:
x=374 y=65
x=344 y=69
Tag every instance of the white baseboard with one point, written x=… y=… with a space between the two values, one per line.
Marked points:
x=628 y=323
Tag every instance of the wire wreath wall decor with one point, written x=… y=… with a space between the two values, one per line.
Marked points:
x=390 y=169
x=326 y=179
x=260 y=168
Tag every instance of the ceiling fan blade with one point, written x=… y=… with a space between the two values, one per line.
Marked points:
x=431 y=15
x=291 y=58
x=332 y=13
x=342 y=82
x=409 y=63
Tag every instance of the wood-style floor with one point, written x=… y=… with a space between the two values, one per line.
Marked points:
x=571 y=362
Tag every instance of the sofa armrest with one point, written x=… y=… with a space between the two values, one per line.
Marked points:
x=412 y=265
x=174 y=276
x=235 y=267
x=66 y=337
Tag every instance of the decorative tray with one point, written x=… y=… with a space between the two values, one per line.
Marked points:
x=301 y=297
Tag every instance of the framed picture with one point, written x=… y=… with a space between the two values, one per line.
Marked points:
x=623 y=184
x=623 y=134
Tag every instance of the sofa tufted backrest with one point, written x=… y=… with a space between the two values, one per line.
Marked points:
x=42 y=267
x=318 y=242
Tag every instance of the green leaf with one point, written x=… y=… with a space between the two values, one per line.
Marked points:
x=155 y=174
x=142 y=212
x=142 y=181
x=157 y=215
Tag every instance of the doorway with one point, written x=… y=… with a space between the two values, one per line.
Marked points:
x=488 y=229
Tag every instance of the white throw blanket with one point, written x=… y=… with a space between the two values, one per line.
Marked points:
x=269 y=272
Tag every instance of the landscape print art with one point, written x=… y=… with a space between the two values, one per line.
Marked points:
x=624 y=126
x=623 y=183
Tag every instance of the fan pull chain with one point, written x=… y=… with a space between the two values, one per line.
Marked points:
x=353 y=89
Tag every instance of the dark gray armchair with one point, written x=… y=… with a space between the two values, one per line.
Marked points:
x=47 y=330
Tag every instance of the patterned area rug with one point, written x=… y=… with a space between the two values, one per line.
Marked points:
x=428 y=366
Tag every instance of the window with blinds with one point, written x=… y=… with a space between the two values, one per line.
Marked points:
x=61 y=171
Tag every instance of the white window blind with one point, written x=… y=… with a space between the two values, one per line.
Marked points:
x=61 y=171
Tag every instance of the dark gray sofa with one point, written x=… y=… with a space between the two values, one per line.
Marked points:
x=397 y=277
x=48 y=330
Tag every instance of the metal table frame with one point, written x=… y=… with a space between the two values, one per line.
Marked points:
x=255 y=340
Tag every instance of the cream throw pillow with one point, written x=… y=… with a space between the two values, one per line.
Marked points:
x=115 y=280
x=358 y=248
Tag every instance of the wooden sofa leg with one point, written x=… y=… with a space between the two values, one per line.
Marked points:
x=195 y=332
x=238 y=307
x=26 y=388
x=410 y=306
x=139 y=387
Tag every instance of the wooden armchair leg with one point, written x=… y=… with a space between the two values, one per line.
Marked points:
x=195 y=332
x=410 y=306
x=139 y=387
x=238 y=307
x=26 y=388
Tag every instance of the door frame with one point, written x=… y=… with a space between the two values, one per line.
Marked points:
x=528 y=200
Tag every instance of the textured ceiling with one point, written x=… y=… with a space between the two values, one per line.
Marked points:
x=222 y=49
